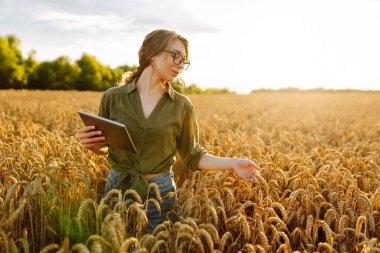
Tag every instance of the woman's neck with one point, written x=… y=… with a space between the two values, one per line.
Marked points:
x=149 y=83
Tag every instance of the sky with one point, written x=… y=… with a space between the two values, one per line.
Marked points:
x=242 y=45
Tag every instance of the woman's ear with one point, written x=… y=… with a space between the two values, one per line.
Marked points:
x=153 y=59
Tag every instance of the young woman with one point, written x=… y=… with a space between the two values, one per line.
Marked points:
x=161 y=121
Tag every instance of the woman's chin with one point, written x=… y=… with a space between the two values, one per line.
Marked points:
x=170 y=79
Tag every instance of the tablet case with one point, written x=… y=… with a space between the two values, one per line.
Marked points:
x=115 y=132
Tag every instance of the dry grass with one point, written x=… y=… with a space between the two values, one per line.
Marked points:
x=319 y=190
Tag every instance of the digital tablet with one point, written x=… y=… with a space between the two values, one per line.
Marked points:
x=115 y=132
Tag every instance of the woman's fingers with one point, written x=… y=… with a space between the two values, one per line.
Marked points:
x=254 y=177
x=249 y=171
x=93 y=139
x=86 y=129
x=255 y=180
x=89 y=134
x=253 y=164
x=93 y=144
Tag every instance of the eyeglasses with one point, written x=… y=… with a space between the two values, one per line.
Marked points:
x=178 y=59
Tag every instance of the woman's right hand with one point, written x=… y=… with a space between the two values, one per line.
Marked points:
x=92 y=139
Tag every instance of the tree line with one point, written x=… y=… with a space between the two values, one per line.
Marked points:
x=86 y=73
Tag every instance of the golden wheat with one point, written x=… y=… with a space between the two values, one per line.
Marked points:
x=319 y=188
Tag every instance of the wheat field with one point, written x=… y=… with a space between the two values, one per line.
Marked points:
x=319 y=188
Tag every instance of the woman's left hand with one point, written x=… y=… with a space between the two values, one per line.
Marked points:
x=246 y=169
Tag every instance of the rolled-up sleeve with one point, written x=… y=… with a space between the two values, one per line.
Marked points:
x=103 y=107
x=188 y=141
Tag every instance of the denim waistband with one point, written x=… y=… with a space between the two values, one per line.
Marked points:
x=158 y=179
x=166 y=176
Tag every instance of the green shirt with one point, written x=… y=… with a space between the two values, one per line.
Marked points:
x=171 y=126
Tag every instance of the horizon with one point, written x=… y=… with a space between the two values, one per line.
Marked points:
x=262 y=45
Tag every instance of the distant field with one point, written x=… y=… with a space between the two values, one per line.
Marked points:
x=319 y=191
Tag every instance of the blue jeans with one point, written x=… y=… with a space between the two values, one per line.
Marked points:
x=165 y=183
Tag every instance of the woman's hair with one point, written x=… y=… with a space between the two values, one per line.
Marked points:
x=154 y=43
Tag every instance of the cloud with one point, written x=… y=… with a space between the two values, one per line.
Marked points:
x=89 y=23
x=98 y=17
x=68 y=27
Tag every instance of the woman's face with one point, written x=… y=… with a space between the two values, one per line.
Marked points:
x=164 y=63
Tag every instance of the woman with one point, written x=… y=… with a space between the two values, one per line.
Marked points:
x=161 y=121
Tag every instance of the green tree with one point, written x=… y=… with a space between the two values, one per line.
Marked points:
x=12 y=72
x=107 y=77
x=43 y=76
x=192 y=89
x=119 y=71
x=93 y=75
x=178 y=84
x=30 y=65
x=89 y=77
x=216 y=91
x=66 y=73
x=126 y=68
x=117 y=74
x=59 y=74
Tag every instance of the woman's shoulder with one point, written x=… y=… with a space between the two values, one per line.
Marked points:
x=116 y=90
x=183 y=100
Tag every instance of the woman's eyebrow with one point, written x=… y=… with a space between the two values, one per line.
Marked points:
x=179 y=53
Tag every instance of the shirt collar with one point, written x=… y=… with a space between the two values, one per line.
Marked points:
x=132 y=86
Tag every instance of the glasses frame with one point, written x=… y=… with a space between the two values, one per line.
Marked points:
x=186 y=62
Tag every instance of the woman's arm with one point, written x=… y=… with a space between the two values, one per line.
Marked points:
x=195 y=157
x=244 y=168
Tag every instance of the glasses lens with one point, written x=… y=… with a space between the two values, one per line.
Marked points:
x=177 y=58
